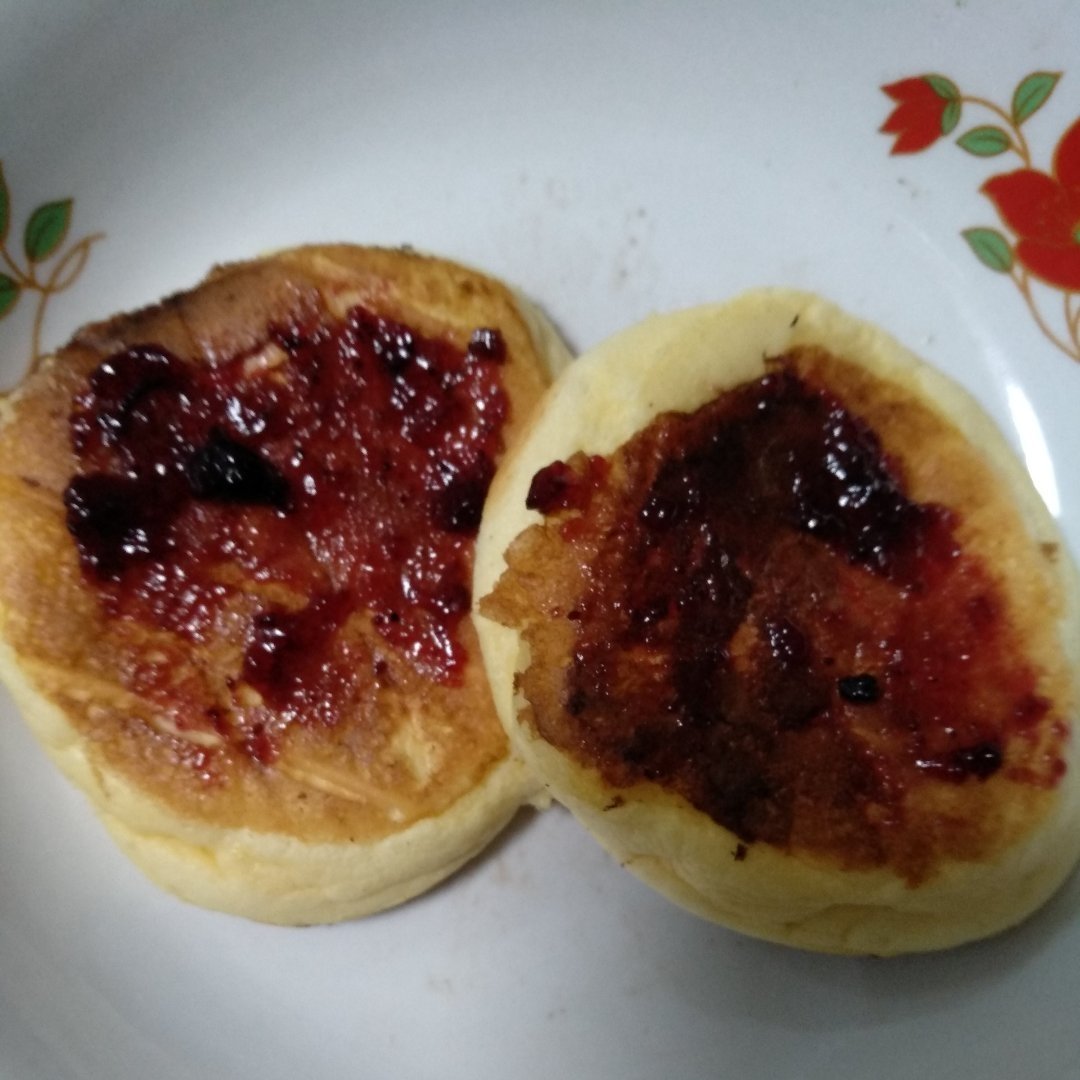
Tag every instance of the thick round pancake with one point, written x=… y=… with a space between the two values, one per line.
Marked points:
x=234 y=583
x=789 y=630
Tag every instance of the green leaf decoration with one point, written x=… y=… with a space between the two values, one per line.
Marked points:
x=5 y=206
x=9 y=293
x=985 y=141
x=1032 y=93
x=950 y=117
x=46 y=229
x=72 y=264
x=944 y=88
x=991 y=248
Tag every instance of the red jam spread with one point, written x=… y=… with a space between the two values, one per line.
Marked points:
x=337 y=470
x=773 y=629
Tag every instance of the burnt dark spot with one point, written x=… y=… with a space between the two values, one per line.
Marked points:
x=559 y=486
x=224 y=470
x=650 y=612
x=119 y=520
x=859 y=689
x=792 y=692
x=459 y=506
x=787 y=643
x=549 y=488
x=487 y=344
x=394 y=345
x=285 y=658
x=576 y=702
x=129 y=388
x=981 y=760
x=453 y=598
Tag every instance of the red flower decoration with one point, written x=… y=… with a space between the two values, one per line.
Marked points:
x=1044 y=212
x=919 y=118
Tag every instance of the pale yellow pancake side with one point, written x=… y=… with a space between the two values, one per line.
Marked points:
x=340 y=826
x=679 y=362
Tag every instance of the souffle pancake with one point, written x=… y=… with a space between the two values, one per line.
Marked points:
x=771 y=606
x=236 y=571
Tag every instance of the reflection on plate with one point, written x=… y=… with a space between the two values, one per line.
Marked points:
x=610 y=163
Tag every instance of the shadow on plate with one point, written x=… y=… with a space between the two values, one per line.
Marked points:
x=775 y=986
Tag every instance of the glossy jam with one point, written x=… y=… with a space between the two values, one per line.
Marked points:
x=335 y=473
x=772 y=628
x=558 y=487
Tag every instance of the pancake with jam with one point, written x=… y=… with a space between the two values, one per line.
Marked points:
x=772 y=608
x=235 y=579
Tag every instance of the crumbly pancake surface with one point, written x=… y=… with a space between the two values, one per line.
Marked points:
x=794 y=652
x=240 y=537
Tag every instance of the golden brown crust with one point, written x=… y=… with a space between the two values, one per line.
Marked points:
x=996 y=847
x=419 y=771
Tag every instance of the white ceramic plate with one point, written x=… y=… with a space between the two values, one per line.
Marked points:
x=611 y=160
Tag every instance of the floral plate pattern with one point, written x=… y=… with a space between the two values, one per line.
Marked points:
x=610 y=162
x=1040 y=208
